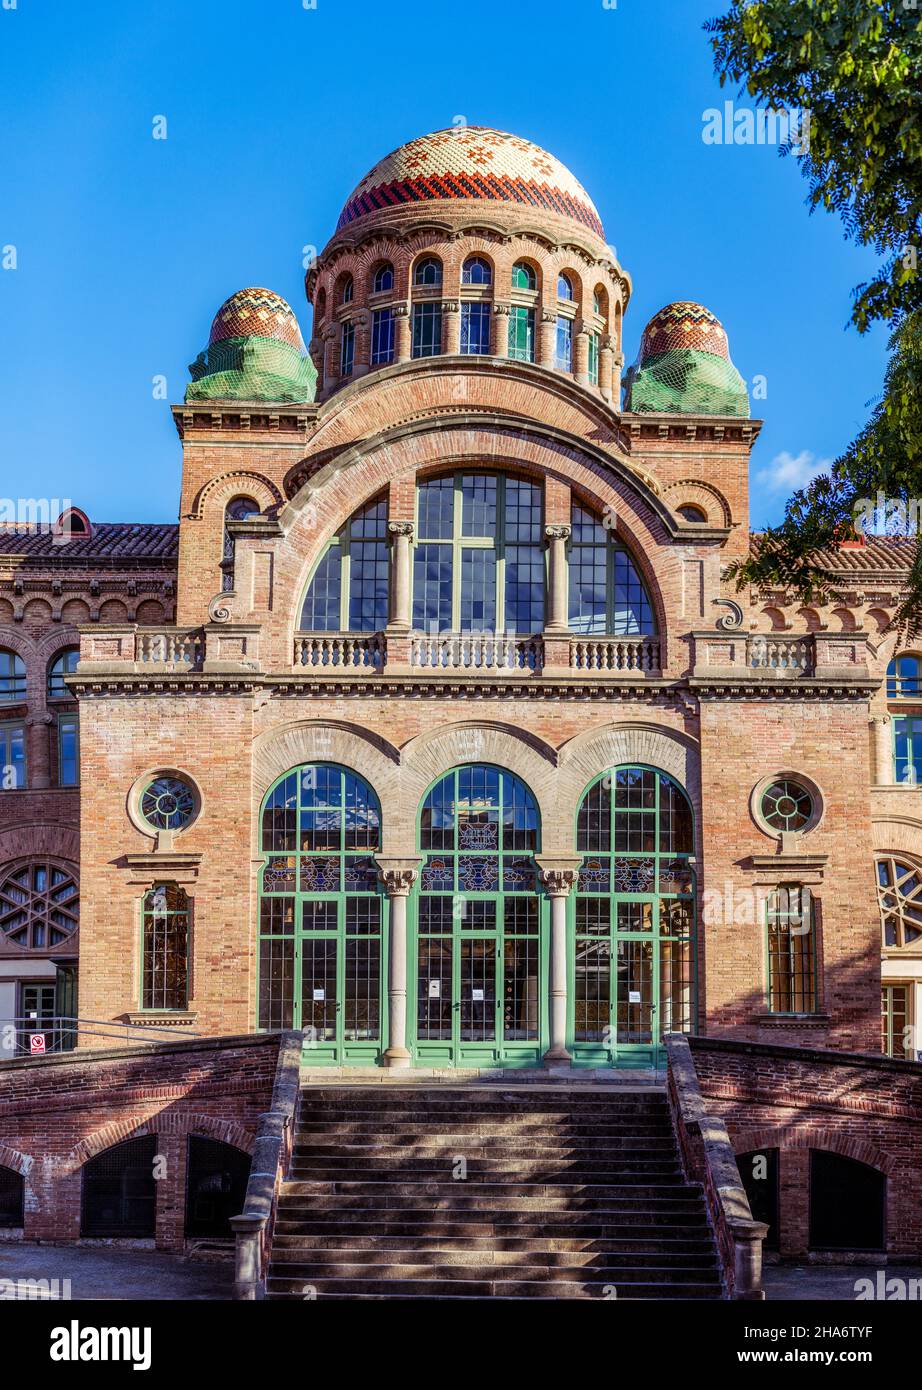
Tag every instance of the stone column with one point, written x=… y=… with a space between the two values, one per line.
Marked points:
x=558 y=877
x=361 y=360
x=451 y=326
x=581 y=352
x=398 y=877
x=617 y=369
x=500 y=330
x=558 y=616
x=606 y=366
x=401 y=610
x=547 y=346
x=882 y=750
x=402 y=333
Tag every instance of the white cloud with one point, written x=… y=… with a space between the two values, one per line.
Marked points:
x=787 y=471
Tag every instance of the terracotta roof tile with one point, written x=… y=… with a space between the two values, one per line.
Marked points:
x=111 y=540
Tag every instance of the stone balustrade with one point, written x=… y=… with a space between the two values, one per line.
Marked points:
x=476 y=651
x=615 y=654
x=355 y=651
x=782 y=655
x=174 y=648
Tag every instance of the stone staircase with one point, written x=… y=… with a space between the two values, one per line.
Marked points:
x=570 y=1192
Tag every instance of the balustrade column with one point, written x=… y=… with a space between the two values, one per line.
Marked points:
x=558 y=877
x=398 y=877
x=558 y=617
x=882 y=750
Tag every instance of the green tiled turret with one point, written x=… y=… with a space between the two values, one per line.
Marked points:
x=255 y=352
x=684 y=367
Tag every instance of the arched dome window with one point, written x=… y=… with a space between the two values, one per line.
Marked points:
x=383 y=279
x=691 y=512
x=564 y=287
x=479 y=562
x=347 y=290
x=64 y=663
x=348 y=591
x=904 y=677
x=524 y=276
x=12 y=676
x=607 y=594
x=428 y=271
x=476 y=271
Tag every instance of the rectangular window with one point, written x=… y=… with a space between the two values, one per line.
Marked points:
x=12 y=756
x=522 y=334
x=563 y=351
x=791 y=950
x=475 y=328
x=347 y=350
x=907 y=749
x=68 y=750
x=432 y=588
x=427 y=329
x=166 y=913
x=594 y=358
x=382 y=337
x=894 y=1021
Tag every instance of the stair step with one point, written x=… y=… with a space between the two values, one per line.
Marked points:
x=694 y=1242
x=293 y=1262
x=623 y=1287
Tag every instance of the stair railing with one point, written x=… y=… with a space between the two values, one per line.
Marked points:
x=272 y=1151
x=708 y=1158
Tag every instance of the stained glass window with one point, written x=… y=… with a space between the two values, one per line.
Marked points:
x=479 y=563
x=607 y=595
x=594 y=358
x=564 y=287
x=347 y=349
x=349 y=588
x=899 y=894
x=428 y=271
x=563 y=350
x=168 y=803
x=791 y=950
x=167 y=921
x=476 y=271
x=524 y=276
x=522 y=334
x=39 y=904
x=475 y=327
x=786 y=805
x=383 y=279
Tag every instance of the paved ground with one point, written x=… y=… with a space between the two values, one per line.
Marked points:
x=824 y=1282
x=102 y=1272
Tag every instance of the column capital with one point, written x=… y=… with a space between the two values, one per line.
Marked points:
x=558 y=533
x=400 y=528
x=558 y=875
x=398 y=875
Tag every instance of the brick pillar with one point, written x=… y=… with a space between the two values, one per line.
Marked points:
x=882 y=750
x=500 y=330
x=606 y=367
x=794 y=1200
x=581 y=354
x=617 y=368
x=170 y=1173
x=402 y=333
x=547 y=332
x=38 y=753
x=451 y=327
x=361 y=361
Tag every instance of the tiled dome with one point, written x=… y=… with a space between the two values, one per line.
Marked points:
x=256 y=313
x=683 y=324
x=472 y=162
x=255 y=352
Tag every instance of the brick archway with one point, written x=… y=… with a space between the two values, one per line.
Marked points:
x=162 y=1123
x=18 y=1162
x=813 y=1137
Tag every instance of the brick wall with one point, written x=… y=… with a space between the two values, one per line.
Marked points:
x=59 y=1111
x=796 y=1099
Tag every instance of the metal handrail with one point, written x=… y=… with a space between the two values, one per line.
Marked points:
x=65 y=1029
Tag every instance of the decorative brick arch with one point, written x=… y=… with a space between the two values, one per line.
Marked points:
x=899 y=835
x=12 y=1158
x=813 y=1137
x=173 y=1123
x=585 y=756
x=693 y=492
x=328 y=741
x=429 y=756
x=262 y=490
x=35 y=839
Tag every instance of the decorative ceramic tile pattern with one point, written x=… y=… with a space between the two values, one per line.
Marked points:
x=256 y=313
x=683 y=325
x=472 y=162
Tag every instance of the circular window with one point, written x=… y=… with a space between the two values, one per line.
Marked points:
x=39 y=904
x=168 y=803
x=786 y=805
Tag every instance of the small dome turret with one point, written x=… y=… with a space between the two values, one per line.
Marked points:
x=255 y=352
x=683 y=366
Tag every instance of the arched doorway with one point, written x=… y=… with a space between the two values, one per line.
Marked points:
x=479 y=924
x=848 y=1203
x=216 y=1186
x=322 y=915
x=632 y=975
x=119 y=1195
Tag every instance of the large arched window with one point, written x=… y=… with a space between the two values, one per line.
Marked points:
x=427 y=271
x=348 y=591
x=607 y=594
x=904 y=677
x=167 y=930
x=383 y=279
x=479 y=562
x=321 y=913
x=899 y=894
x=12 y=676
x=634 y=915
x=479 y=923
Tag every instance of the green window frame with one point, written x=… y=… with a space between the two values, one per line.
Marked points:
x=479 y=561
x=521 y=333
x=633 y=968
x=907 y=750
x=791 y=961
x=68 y=750
x=322 y=914
x=594 y=359
x=12 y=757
x=166 y=938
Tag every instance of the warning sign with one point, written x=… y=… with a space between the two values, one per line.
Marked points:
x=37 y=1042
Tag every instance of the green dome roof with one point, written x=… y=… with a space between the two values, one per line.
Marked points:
x=255 y=352
x=684 y=367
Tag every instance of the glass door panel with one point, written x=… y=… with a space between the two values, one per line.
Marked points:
x=476 y=974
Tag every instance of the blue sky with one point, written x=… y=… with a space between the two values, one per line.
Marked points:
x=126 y=245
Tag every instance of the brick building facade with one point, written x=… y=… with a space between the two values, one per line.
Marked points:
x=436 y=727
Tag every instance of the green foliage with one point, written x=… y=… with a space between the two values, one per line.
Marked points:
x=856 y=67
